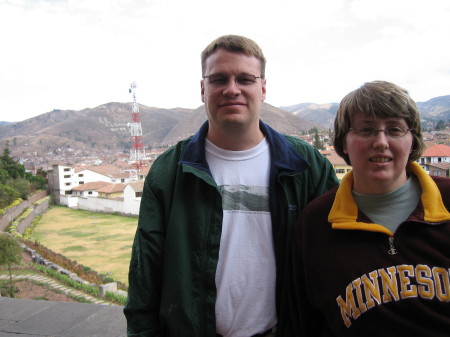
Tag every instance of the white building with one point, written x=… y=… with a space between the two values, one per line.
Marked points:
x=104 y=188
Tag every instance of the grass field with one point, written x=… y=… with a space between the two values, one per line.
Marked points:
x=99 y=241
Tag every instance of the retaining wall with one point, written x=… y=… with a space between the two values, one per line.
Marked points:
x=13 y=212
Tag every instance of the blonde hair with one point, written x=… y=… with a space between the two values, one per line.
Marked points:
x=235 y=43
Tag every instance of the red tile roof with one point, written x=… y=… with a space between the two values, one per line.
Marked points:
x=137 y=186
x=437 y=150
x=92 y=186
x=112 y=188
x=334 y=158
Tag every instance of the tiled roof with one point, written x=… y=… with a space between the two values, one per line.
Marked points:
x=335 y=159
x=437 y=150
x=444 y=166
x=137 y=186
x=102 y=169
x=112 y=188
x=92 y=186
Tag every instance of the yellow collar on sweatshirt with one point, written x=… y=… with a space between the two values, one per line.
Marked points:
x=344 y=212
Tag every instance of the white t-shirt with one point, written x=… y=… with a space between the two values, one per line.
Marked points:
x=246 y=272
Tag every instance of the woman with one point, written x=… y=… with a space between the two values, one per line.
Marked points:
x=372 y=257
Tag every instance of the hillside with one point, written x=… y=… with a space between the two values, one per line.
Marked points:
x=105 y=128
x=431 y=111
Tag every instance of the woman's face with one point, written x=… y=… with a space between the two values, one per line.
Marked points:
x=379 y=161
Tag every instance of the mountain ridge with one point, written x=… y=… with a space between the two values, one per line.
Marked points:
x=105 y=128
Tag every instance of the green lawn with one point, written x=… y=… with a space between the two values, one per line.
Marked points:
x=99 y=241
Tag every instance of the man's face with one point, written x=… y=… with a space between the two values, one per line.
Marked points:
x=232 y=96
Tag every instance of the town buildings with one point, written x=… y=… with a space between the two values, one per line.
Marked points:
x=115 y=188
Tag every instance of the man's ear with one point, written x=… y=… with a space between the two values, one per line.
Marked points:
x=202 y=86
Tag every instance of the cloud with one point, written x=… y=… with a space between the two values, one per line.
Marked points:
x=73 y=54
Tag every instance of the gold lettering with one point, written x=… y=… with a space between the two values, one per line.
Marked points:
x=357 y=286
x=441 y=280
x=426 y=286
x=371 y=289
x=348 y=307
x=407 y=290
x=389 y=284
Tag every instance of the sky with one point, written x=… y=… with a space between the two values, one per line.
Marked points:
x=77 y=54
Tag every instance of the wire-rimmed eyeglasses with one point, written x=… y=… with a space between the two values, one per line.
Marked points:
x=392 y=131
x=221 y=79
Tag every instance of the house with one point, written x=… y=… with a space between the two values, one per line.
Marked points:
x=436 y=160
x=111 y=191
x=132 y=195
x=99 y=188
x=339 y=164
x=89 y=189
x=437 y=153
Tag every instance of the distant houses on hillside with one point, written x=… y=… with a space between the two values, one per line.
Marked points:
x=114 y=189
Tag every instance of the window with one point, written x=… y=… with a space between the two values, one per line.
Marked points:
x=66 y=169
x=67 y=184
x=90 y=192
x=138 y=194
x=67 y=176
x=340 y=171
x=68 y=192
x=81 y=182
x=81 y=175
x=122 y=180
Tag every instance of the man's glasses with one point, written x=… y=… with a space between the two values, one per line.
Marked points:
x=223 y=79
x=392 y=131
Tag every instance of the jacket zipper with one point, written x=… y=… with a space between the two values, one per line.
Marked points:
x=392 y=250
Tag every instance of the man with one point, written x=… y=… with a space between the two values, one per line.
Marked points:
x=217 y=212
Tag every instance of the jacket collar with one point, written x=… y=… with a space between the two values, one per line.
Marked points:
x=344 y=212
x=283 y=156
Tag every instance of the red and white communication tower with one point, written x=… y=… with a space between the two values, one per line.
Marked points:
x=137 y=151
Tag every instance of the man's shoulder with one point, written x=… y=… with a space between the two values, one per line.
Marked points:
x=297 y=141
x=168 y=160
x=303 y=147
x=173 y=152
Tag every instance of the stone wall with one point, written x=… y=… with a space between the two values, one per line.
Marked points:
x=13 y=212
x=38 y=210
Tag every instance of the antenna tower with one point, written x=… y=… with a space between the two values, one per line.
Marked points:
x=137 y=151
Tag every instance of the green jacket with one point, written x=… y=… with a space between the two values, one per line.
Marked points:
x=172 y=289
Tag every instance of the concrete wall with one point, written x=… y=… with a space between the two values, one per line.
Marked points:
x=101 y=204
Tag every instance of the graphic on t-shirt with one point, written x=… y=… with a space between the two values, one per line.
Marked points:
x=245 y=198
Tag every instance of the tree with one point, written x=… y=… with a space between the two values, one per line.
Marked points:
x=10 y=254
x=318 y=144
x=14 y=169
x=440 y=125
x=22 y=186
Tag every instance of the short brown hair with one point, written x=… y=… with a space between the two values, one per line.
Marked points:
x=378 y=99
x=235 y=43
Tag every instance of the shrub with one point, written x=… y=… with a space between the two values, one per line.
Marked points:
x=7 y=196
x=10 y=253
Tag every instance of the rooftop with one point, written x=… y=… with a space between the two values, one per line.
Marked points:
x=437 y=150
